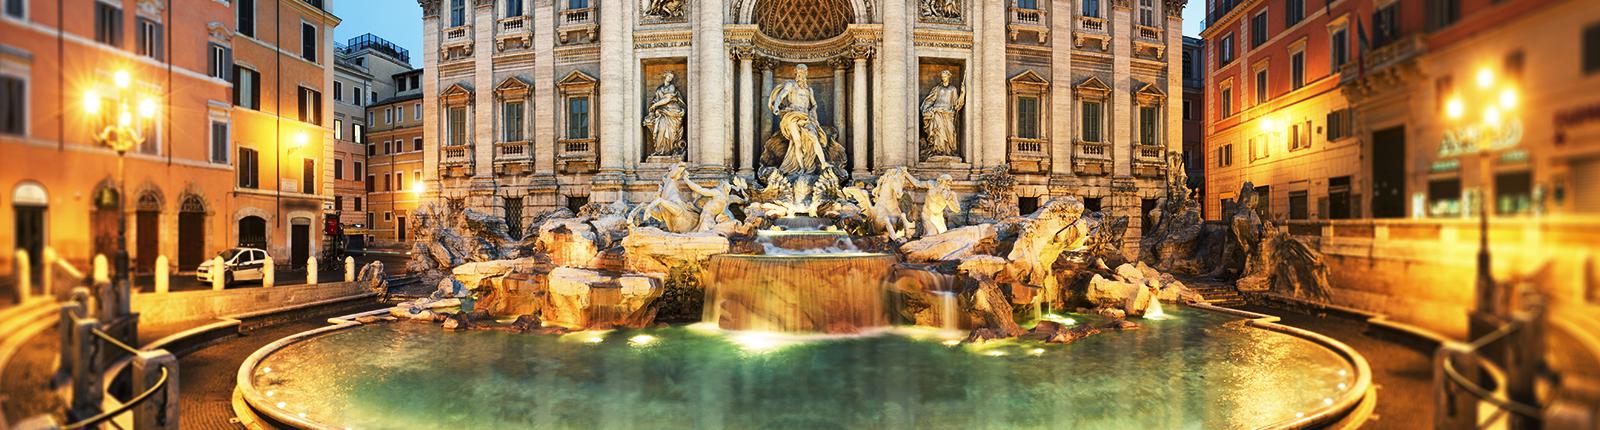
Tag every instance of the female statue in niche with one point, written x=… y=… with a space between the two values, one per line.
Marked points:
x=939 y=117
x=664 y=123
x=664 y=8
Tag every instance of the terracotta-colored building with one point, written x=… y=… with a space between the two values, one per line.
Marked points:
x=394 y=160
x=61 y=186
x=283 y=124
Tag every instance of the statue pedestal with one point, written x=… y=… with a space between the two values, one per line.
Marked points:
x=663 y=159
x=801 y=222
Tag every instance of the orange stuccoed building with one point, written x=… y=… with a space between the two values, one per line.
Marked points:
x=232 y=156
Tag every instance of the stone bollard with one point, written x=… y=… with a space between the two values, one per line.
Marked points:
x=160 y=411
x=49 y=268
x=24 y=272
x=311 y=270
x=218 y=280
x=101 y=268
x=86 y=389
x=162 y=284
x=268 y=273
x=349 y=269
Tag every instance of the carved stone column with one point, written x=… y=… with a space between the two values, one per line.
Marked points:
x=839 y=64
x=712 y=121
x=747 y=110
x=763 y=118
x=858 y=114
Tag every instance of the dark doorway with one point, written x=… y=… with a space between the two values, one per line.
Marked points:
x=1091 y=204
x=1389 y=173
x=1027 y=205
x=191 y=233
x=253 y=232
x=30 y=235
x=147 y=226
x=400 y=223
x=1299 y=205
x=103 y=221
x=299 y=245
x=1339 y=198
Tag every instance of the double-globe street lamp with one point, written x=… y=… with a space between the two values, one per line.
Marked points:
x=119 y=116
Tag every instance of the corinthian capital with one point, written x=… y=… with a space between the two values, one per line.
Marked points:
x=430 y=8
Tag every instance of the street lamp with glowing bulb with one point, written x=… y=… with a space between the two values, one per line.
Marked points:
x=121 y=129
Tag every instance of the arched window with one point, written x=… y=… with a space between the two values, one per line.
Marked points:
x=253 y=232
x=29 y=204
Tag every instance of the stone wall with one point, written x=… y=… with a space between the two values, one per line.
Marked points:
x=155 y=309
x=1423 y=272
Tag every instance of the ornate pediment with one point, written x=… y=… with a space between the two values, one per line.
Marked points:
x=456 y=93
x=577 y=81
x=219 y=31
x=1149 y=94
x=1028 y=79
x=1093 y=87
x=513 y=88
x=150 y=9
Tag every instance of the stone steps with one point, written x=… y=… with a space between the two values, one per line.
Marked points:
x=1220 y=295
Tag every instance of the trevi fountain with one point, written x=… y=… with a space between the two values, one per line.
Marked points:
x=805 y=296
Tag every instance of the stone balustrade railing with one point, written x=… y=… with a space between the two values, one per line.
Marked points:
x=1021 y=15
x=1091 y=23
x=515 y=24
x=1148 y=32
x=583 y=16
x=577 y=147
x=1094 y=150
x=1027 y=146
x=457 y=153
x=514 y=150
x=458 y=33
x=1152 y=151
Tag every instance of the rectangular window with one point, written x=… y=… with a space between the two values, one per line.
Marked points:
x=149 y=38
x=400 y=113
x=310 y=106
x=1225 y=50
x=511 y=113
x=308 y=176
x=1297 y=69
x=1225 y=155
x=1339 y=48
x=1386 y=25
x=577 y=4
x=1261 y=86
x=372 y=184
x=1148 y=118
x=1028 y=117
x=372 y=149
x=1091 y=121
x=513 y=208
x=458 y=126
x=1147 y=13
x=1299 y=207
x=1091 y=8
x=338 y=91
x=355 y=96
x=219 y=142
x=13 y=105
x=1188 y=110
x=578 y=118
x=308 y=42
x=1299 y=136
x=458 y=13
x=358 y=133
x=107 y=24
x=416 y=144
x=357 y=207
x=388 y=147
x=1227 y=102
x=400 y=181
x=388 y=182
x=513 y=8
x=1341 y=124
x=1293 y=12
x=338 y=128
x=1591 y=49
x=338 y=169
x=338 y=203
x=1258 y=30
x=249 y=171
x=219 y=62
x=15 y=8
x=416 y=111
x=247 y=18
x=356 y=171
x=1442 y=13
x=388 y=116
x=246 y=88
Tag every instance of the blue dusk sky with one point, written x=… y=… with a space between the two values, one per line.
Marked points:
x=400 y=21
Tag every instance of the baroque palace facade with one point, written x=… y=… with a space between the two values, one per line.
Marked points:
x=539 y=104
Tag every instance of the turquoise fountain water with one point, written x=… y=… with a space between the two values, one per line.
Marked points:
x=1195 y=370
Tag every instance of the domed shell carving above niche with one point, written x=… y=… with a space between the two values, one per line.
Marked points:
x=802 y=20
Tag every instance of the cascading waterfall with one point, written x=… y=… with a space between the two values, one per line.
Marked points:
x=1154 y=312
x=798 y=293
x=947 y=310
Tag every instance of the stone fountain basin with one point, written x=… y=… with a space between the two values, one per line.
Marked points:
x=1204 y=368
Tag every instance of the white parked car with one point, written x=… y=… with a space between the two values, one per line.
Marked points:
x=238 y=264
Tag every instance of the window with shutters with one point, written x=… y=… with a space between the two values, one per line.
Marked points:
x=17 y=9
x=249 y=170
x=247 y=18
x=458 y=13
x=246 y=88
x=219 y=142
x=1339 y=48
x=310 y=106
x=358 y=133
x=338 y=91
x=219 y=61
x=458 y=126
x=356 y=171
x=149 y=37
x=578 y=118
x=1091 y=121
x=308 y=176
x=1293 y=12
x=1297 y=69
x=1258 y=30
x=308 y=42
x=372 y=183
x=1028 y=117
x=511 y=113
x=107 y=24
x=1261 y=85
x=416 y=144
x=1591 y=49
x=13 y=105
x=1149 y=125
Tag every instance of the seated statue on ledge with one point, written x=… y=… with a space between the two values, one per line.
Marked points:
x=801 y=146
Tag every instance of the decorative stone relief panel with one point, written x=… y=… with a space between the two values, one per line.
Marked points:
x=942 y=11
x=664 y=11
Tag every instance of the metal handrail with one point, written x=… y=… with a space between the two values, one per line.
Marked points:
x=1479 y=391
x=107 y=415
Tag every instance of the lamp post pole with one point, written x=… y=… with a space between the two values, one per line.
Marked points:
x=121 y=128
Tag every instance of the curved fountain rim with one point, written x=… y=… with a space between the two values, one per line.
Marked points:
x=835 y=255
x=1342 y=407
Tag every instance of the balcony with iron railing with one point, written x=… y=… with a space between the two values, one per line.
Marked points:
x=1394 y=52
